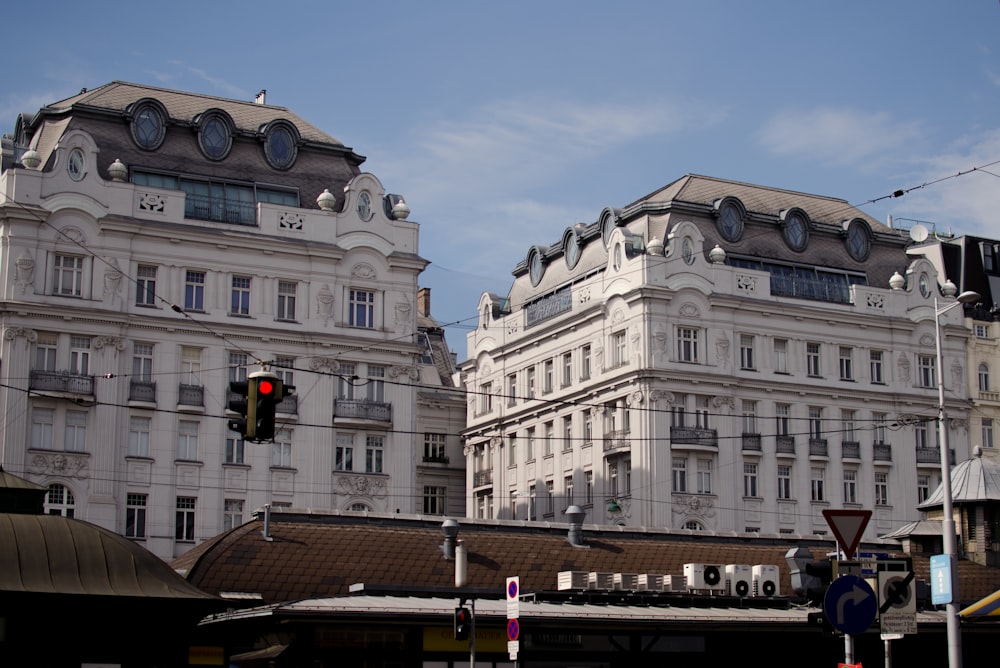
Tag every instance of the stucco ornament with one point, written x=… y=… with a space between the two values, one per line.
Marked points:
x=324 y=303
x=24 y=275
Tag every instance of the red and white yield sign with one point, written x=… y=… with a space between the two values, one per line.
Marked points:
x=848 y=526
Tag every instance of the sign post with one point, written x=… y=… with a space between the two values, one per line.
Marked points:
x=513 y=592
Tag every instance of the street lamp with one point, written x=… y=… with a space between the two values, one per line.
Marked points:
x=948 y=521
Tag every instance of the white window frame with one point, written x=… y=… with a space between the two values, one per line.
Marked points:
x=139 y=430
x=881 y=488
x=850 y=486
x=687 y=344
x=75 y=431
x=747 y=361
x=817 y=484
x=287 y=293
x=703 y=479
x=784 y=474
x=876 y=366
x=750 y=479
x=846 y=363
x=232 y=514
x=67 y=275
x=814 y=366
x=135 y=514
x=145 y=285
x=781 y=355
x=678 y=475
x=187 y=440
x=344 y=452
x=281 y=449
x=194 y=290
x=374 y=453
x=239 y=295
x=184 y=521
x=361 y=308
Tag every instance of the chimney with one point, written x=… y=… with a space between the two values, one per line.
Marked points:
x=261 y=97
x=424 y=301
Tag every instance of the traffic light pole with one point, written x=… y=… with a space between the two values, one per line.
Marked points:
x=472 y=636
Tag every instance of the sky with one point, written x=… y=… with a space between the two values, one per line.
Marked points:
x=503 y=123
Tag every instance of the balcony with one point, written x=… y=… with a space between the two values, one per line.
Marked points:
x=933 y=456
x=785 y=444
x=850 y=450
x=191 y=395
x=617 y=440
x=362 y=409
x=751 y=442
x=61 y=381
x=882 y=452
x=436 y=459
x=694 y=436
x=288 y=406
x=142 y=390
x=222 y=210
x=817 y=447
x=482 y=478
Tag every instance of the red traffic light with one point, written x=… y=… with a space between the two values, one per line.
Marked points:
x=265 y=387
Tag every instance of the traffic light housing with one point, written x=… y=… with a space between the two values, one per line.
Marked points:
x=238 y=403
x=463 y=623
x=265 y=392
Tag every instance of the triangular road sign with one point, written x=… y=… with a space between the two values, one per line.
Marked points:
x=847 y=526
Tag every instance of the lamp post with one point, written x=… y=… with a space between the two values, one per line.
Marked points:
x=948 y=521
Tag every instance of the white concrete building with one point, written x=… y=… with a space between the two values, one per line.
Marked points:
x=155 y=245
x=715 y=356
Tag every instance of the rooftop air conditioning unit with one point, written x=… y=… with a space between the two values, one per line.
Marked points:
x=599 y=580
x=649 y=582
x=626 y=581
x=738 y=580
x=704 y=577
x=568 y=580
x=765 y=580
x=674 y=583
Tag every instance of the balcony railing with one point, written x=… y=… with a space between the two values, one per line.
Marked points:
x=436 y=459
x=751 y=442
x=288 y=406
x=817 y=446
x=61 y=381
x=851 y=450
x=190 y=395
x=481 y=478
x=362 y=409
x=203 y=207
x=616 y=440
x=694 y=436
x=785 y=444
x=933 y=456
x=142 y=390
x=882 y=452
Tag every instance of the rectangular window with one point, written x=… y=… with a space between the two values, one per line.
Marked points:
x=187 y=440
x=749 y=417
x=142 y=362
x=45 y=352
x=529 y=382
x=746 y=352
x=548 y=372
x=76 y=431
x=781 y=356
x=485 y=398
x=702 y=412
x=235 y=451
x=987 y=432
x=135 y=515
x=42 y=425
x=588 y=487
x=704 y=479
x=612 y=477
x=512 y=389
x=194 y=291
x=781 y=419
x=567 y=433
x=362 y=309
x=923 y=487
x=749 y=479
x=687 y=344
x=585 y=362
x=434 y=447
x=847 y=423
x=850 y=486
x=532 y=501
x=284 y=368
x=434 y=500
x=550 y=435
x=813 y=359
x=184 y=521
x=281 y=449
x=982 y=331
x=191 y=366
x=846 y=363
x=881 y=488
x=784 y=481
x=816 y=423
x=529 y=445
x=568 y=491
x=567 y=369
x=875 y=362
x=550 y=497
x=680 y=474
x=232 y=514
x=376 y=383
x=878 y=428
x=145 y=285
x=374 y=448
x=345 y=383
x=237 y=366
x=68 y=275
x=239 y=299
x=921 y=435
x=588 y=427
x=926 y=374
x=79 y=355
x=344 y=453
x=818 y=484
x=619 y=350
x=138 y=436
x=286 y=300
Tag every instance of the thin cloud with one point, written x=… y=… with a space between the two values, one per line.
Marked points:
x=837 y=136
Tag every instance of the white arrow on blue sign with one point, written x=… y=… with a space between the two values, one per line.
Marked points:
x=850 y=605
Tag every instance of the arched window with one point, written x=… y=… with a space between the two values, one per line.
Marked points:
x=693 y=525
x=984 y=378
x=59 y=501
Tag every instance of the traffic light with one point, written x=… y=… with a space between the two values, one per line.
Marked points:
x=463 y=623
x=238 y=404
x=265 y=392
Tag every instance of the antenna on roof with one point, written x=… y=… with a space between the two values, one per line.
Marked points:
x=918 y=233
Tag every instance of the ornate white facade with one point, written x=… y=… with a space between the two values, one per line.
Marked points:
x=157 y=245
x=716 y=357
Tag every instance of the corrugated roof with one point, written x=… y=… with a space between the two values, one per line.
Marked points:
x=51 y=554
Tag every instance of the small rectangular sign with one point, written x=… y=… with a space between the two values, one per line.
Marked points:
x=941 y=579
x=898 y=623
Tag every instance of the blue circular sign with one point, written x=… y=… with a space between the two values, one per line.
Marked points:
x=850 y=605
x=511 y=589
x=513 y=629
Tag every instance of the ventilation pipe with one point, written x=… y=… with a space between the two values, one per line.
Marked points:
x=267 y=523
x=575 y=515
x=450 y=530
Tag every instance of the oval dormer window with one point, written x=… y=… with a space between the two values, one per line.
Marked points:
x=148 y=126
x=280 y=145
x=730 y=214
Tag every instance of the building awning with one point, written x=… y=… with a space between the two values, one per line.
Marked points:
x=986 y=607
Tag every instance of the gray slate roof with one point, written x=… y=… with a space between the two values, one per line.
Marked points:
x=973 y=481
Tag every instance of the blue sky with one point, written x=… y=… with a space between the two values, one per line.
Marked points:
x=504 y=122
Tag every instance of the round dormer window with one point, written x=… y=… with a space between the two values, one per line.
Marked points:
x=76 y=164
x=859 y=240
x=280 y=145
x=795 y=230
x=148 y=126
x=214 y=137
x=535 y=267
x=730 y=219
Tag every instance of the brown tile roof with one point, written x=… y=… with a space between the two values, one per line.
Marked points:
x=314 y=556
